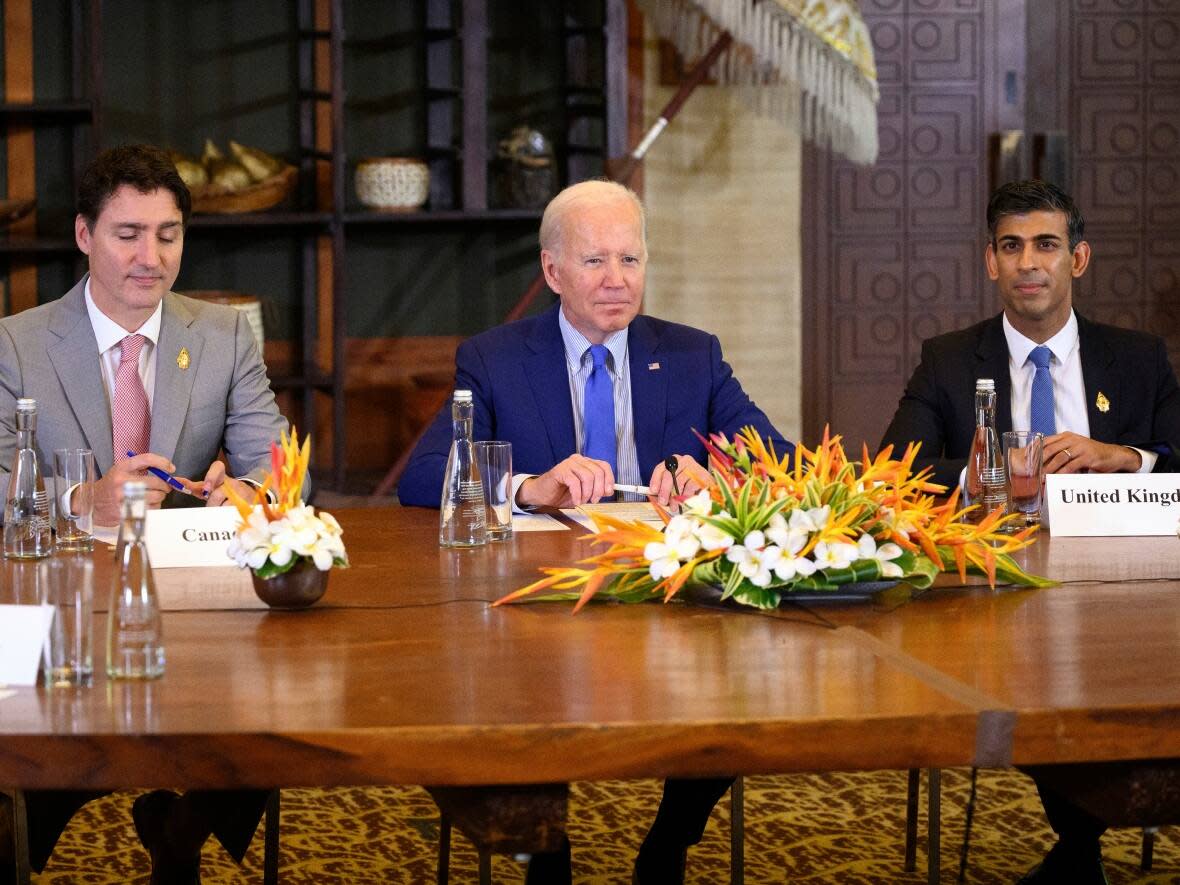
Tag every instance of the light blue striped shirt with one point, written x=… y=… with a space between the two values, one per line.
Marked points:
x=579 y=364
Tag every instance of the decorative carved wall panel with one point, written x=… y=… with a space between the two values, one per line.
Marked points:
x=1124 y=118
x=893 y=254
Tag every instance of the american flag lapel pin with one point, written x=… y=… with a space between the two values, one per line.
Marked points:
x=652 y=367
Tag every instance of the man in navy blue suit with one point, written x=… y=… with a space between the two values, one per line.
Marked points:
x=540 y=384
x=529 y=378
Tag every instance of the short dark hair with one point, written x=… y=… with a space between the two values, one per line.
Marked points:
x=142 y=166
x=1034 y=195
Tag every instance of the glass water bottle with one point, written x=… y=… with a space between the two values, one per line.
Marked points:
x=28 y=522
x=135 y=648
x=986 y=476
x=462 y=518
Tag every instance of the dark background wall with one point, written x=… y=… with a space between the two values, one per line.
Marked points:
x=176 y=72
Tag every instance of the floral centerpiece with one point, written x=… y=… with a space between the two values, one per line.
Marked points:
x=814 y=521
x=286 y=536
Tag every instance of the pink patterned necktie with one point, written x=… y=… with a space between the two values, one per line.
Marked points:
x=130 y=416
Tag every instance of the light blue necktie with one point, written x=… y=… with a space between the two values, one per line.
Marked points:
x=1041 y=411
x=599 y=412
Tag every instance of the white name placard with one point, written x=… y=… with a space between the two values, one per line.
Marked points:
x=1110 y=504
x=190 y=536
x=23 y=631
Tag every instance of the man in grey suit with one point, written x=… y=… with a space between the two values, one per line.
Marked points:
x=198 y=363
x=94 y=360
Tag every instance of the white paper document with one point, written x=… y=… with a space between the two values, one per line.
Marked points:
x=636 y=511
x=190 y=536
x=23 y=631
x=536 y=522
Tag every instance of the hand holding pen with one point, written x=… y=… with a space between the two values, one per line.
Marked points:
x=172 y=481
x=108 y=491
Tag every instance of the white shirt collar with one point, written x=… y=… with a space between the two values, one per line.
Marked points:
x=576 y=344
x=108 y=333
x=1060 y=345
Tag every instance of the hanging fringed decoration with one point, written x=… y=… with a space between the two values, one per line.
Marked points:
x=805 y=63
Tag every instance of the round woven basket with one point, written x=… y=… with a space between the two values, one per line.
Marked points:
x=392 y=184
x=262 y=195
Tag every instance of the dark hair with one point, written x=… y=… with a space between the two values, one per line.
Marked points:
x=1034 y=195
x=142 y=166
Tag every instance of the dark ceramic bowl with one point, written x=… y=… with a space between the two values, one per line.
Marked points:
x=298 y=588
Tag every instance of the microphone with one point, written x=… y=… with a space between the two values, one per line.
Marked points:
x=672 y=465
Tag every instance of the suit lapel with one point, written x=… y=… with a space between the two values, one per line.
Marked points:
x=649 y=393
x=991 y=361
x=173 y=384
x=73 y=350
x=545 y=369
x=1099 y=375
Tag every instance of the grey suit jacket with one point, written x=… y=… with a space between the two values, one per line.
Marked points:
x=221 y=400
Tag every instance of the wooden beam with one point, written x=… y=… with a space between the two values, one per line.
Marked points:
x=22 y=164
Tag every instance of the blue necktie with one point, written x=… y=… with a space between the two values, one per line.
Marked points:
x=1041 y=412
x=599 y=412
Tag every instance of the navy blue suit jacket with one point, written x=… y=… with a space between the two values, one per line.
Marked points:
x=517 y=377
x=1129 y=368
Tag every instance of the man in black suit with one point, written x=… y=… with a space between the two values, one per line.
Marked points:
x=1107 y=401
x=1116 y=402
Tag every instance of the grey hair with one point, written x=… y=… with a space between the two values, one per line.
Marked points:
x=597 y=190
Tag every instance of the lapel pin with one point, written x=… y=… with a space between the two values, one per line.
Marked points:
x=1102 y=402
x=182 y=360
x=651 y=367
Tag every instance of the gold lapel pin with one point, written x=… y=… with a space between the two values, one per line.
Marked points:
x=1102 y=402
x=182 y=360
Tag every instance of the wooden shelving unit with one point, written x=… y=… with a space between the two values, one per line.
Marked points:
x=454 y=106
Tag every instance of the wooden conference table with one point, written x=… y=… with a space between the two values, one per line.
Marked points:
x=403 y=673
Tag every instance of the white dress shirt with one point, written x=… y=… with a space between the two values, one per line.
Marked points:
x=108 y=334
x=579 y=364
x=1069 y=388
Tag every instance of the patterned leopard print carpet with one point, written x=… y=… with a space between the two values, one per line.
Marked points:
x=813 y=829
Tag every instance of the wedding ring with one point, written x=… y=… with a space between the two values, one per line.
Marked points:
x=1068 y=456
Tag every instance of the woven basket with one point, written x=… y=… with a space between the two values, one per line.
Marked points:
x=392 y=184
x=263 y=195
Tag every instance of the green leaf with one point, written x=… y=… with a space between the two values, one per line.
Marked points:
x=758 y=597
x=268 y=569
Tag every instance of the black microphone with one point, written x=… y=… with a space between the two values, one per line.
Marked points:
x=672 y=465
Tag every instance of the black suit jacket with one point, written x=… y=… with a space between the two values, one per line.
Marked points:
x=1130 y=368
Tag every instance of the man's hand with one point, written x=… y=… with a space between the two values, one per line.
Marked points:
x=108 y=491
x=1070 y=453
x=691 y=477
x=576 y=480
x=212 y=487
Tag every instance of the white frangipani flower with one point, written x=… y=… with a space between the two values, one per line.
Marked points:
x=300 y=532
x=680 y=544
x=699 y=504
x=835 y=554
x=867 y=548
x=713 y=538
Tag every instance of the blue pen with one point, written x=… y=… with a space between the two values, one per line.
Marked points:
x=170 y=479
